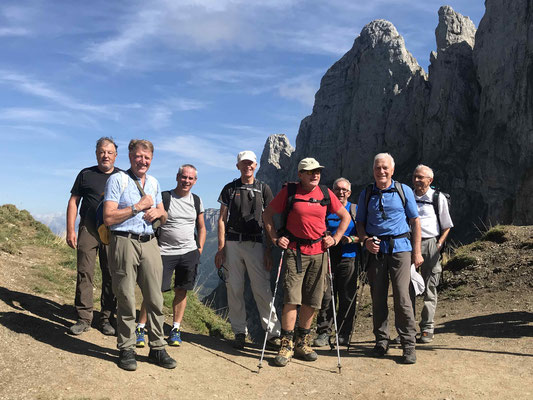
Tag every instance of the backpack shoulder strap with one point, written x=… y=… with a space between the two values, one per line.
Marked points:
x=165 y=194
x=399 y=187
x=435 y=200
x=368 y=194
x=325 y=192
x=196 y=204
x=353 y=211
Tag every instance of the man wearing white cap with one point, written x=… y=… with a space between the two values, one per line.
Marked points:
x=303 y=237
x=241 y=248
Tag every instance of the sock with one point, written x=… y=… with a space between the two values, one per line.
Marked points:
x=285 y=333
x=139 y=325
x=302 y=332
x=177 y=325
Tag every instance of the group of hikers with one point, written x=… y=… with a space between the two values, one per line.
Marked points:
x=155 y=234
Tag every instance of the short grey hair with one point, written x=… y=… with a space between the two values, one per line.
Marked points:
x=429 y=170
x=100 y=142
x=180 y=170
x=341 y=179
x=384 y=155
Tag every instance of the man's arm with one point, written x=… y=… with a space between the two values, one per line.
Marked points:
x=443 y=237
x=202 y=232
x=72 y=212
x=416 y=241
x=366 y=240
x=329 y=241
x=220 y=257
x=268 y=221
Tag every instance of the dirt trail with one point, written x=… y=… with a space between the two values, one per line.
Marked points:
x=483 y=349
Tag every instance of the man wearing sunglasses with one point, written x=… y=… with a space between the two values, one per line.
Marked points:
x=389 y=228
x=305 y=242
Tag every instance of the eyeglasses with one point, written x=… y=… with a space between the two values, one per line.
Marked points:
x=421 y=177
x=313 y=171
x=341 y=190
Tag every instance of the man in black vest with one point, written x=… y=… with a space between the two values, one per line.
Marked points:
x=90 y=186
x=242 y=248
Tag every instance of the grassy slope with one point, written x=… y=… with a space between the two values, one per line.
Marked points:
x=54 y=270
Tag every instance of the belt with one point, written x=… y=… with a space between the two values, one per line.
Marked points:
x=299 y=242
x=243 y=237
x=429 y=238
x=391 y=239
x=134 y=236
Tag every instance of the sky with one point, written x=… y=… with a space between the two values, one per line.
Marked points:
x=201 y=79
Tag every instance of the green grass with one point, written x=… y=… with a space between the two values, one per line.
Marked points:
x=495 y=234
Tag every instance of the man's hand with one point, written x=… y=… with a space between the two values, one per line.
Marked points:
x=283 y=242
x=328 y=241
x=417 y=259
x=345 y=240
x=71 y=239
x=145 y=203
x=220 y=258
x=152 y=214
x=372 y=246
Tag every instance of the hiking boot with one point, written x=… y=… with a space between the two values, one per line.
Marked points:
x=240 y=340
x=274 y=343
x=343 y=340
x=409 y=355
x=321 y=340
x=285 y=352
x=174 y=339
x=107 y=329
x=426 y=337
x=303 y=350
x=380 y=349
x=395 y=341
x=79 y=327
x=161 y=358
x=126 y=360
x=139 y=337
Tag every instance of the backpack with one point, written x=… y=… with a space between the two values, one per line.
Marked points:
x=291 y=193
x=166 y=195
x=101 y=228
x=435 y=203
x=256 y=194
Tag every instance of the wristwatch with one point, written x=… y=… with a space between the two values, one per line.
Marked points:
x=134 y=210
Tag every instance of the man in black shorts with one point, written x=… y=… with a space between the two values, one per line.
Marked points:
x=179 y=250
x=90 y=186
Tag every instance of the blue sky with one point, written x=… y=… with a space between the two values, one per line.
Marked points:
x=201 y=79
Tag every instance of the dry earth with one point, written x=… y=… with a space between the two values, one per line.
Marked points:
x=483 y=347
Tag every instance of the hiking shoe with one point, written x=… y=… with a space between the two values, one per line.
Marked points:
x=303 y=350
x=174 y=339
x=107 y=329
x=343 y=340
x=285 y=352
x=425 y=337
x=79 y=327
x=139 y=337
x=126 y=360
x=409 y=355
x=321 y=340
x=161 y=358
x=274 y=343
x=380 y=349
x=240 y=340
x=395 y=341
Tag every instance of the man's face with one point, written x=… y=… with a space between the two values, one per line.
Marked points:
x=140 y=160
x=186 y=179
x=421 y=180
x=383 y=171
x=310 y=179
x=247 y=168
x=105 y=156
x=342 y=191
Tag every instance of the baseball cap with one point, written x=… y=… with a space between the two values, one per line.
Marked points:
x=308 y=164
x=246 y=155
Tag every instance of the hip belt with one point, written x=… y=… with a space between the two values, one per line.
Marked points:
x=391 y=239
x=243 y=237
x=134 y=236
x=299 y=242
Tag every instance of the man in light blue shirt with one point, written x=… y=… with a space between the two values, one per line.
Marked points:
x=130 y=211
x=389 y=227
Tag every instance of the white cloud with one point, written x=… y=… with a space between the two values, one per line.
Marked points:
x=200 y=150
x=14 y=32
x=26 y=116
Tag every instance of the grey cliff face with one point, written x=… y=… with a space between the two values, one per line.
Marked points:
x=470 y=118
x=275 y=161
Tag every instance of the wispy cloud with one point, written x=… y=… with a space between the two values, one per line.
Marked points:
x=27 y=116
x=14 y=31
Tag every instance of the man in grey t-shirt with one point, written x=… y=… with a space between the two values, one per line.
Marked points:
x=180 y=252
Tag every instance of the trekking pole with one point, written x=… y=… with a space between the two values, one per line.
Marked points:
x=359 y=300
x=334 y=314
x=272 y=308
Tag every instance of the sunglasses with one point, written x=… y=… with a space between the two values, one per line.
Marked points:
x=313 y=171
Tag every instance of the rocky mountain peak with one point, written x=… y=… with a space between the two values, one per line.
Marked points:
x=454 y=28
x=275 y=160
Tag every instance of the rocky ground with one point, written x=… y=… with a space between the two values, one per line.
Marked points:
x=483 y=348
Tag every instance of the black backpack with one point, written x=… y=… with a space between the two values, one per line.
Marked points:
x=253 y=222
x=291 y=193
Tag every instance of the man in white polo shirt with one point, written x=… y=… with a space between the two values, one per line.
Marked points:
x=435 y=229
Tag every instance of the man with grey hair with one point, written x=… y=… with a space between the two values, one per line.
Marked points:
x=343 y=266
x=384 y=210
x=435 y=222
x=89 y=189
x=132 y=205
x=180 y=251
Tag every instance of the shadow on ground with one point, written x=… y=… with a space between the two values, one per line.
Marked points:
x=46 y=321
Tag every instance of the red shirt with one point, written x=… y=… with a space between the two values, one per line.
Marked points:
x=306 y=220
